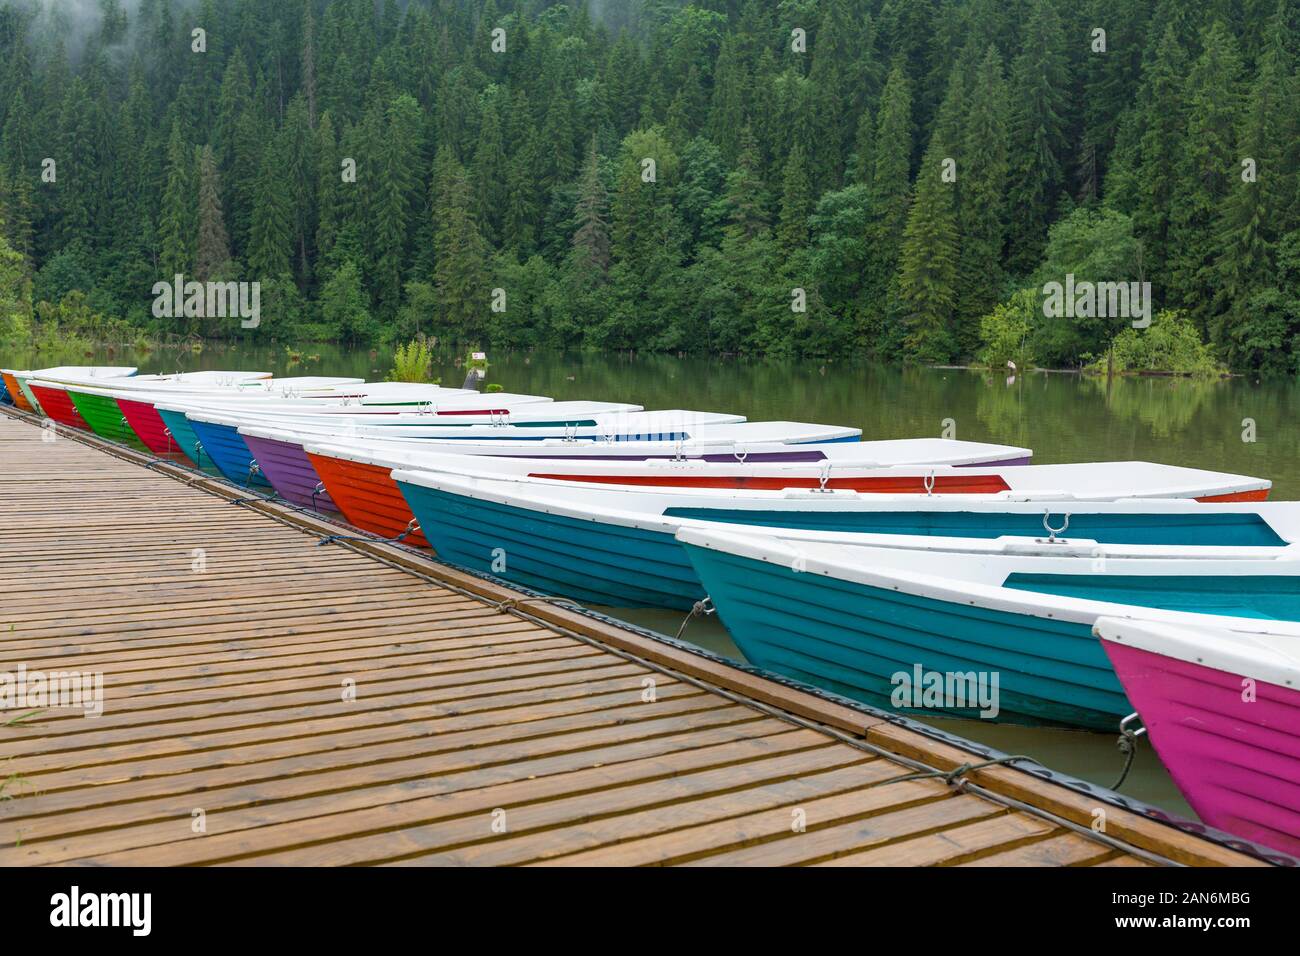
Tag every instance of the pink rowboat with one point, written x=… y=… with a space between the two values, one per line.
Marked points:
x=1222 y=708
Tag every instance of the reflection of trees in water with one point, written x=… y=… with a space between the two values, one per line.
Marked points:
x=1166 y=404
x=1001 y=405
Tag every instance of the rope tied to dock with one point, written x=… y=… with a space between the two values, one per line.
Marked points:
x=512 y=603
x=955 y=776
x=698 y=609
x=411 y=527
x=273 y=496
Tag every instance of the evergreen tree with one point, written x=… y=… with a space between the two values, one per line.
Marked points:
x=862 y=163
x=645 y=246
x=591 y=238
x=834 y=50
x=464 y=292
x=1253 y=213
x=982 y=183
x=212 y=254
x=927 y=279
x=178 y=224
x=396 y=191
x=890 y=197
x=1039 y=87
x=16 y=138
x=1209 y=164
x=727 y=112
x=308 y=59
x=490 y=173
x=343 y=305
x=271 y=237
x=15 y=294
x=1159 y=153
x=329 y=179
x=796 y=203
x=891 y=178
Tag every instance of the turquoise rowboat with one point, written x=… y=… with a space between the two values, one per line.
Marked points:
x=615 y=545
x=928 y=631
x=180 y=431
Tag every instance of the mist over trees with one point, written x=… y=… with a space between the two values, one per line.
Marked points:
x=874 y=178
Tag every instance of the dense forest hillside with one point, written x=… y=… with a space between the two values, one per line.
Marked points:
x=889 y=178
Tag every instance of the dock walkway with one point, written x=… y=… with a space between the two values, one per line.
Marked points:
x=268 y=700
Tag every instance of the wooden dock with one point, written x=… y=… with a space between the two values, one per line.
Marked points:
x=268 y=700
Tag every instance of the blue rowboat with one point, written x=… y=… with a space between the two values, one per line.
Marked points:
x=228 y=451
x=872 y=623
x=615 y=544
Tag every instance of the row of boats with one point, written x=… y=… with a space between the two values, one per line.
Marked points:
x=1086 y=591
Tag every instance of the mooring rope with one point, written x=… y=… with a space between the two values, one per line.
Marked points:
x=273 y=496
x=512 y=603
x=954 y=776
x=698 y=609
x=411 y=527
x=1127 y=744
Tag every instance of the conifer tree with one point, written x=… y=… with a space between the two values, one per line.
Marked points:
x=490 y=173
x=982 y=184
x=591 y=238
x=796 y=202
x=329 y=177
x=891 y=177
x=1159 y=154
x=271 y=237
x=397 y=188
x=927 y=278
x=464 y=293
x=177 y=226
x=1209 y=164
x=1253 y=213
x=212 y=253
x=1039 y=87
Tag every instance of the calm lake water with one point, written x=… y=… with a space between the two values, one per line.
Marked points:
x=1238 y=425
